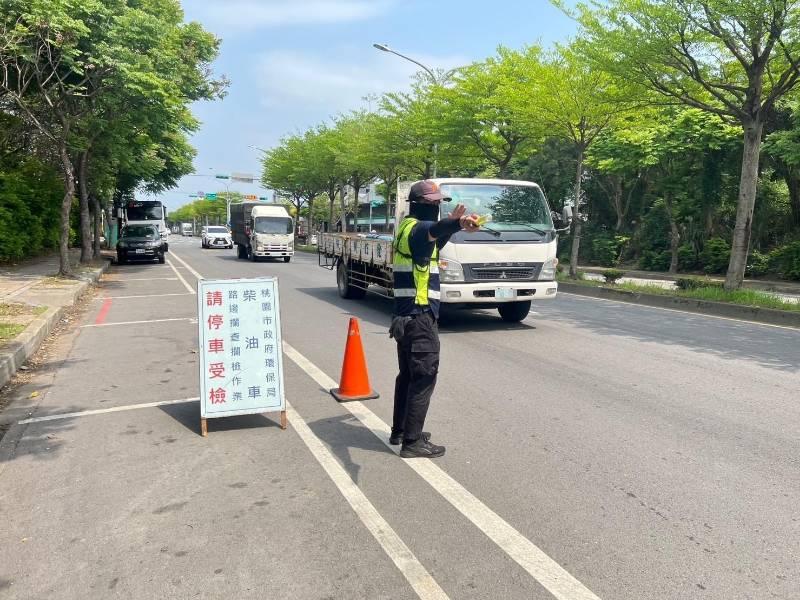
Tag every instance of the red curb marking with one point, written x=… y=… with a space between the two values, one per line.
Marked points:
x=101 y=316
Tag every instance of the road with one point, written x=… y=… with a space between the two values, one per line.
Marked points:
x=596 y=450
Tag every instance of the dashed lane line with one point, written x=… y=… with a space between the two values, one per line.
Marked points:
x=525 y=553
x=188 y=266
x=182 y=280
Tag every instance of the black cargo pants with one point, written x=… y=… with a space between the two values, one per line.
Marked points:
x=417 y=340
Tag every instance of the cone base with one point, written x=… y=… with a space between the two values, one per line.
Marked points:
x=342 y=398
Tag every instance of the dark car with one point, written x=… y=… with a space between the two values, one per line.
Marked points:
x=141 y=242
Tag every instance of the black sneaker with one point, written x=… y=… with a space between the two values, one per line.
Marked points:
x=421 y=449
x=396 y=438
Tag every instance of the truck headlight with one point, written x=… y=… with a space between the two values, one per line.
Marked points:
x=450 y=271
x=548 y=272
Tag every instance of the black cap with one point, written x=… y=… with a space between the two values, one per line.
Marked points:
x=426 y=191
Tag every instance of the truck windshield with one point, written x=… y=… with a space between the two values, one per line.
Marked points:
x=512 y=207
x=140 y=231
x=144 y=211
x=274 y=225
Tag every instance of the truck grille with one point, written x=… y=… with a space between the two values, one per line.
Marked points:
x=503 y=272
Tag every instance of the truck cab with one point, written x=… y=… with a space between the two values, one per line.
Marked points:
x=511 y=260
x=262 y=231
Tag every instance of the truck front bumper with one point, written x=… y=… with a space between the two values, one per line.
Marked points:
x=268 y=253
x=494 y=292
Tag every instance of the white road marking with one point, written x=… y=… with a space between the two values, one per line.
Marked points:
x=192 y=319
x=144 y=296
x=183 y=281
x=146 y=279
x=683 y=312
x=185 y=264
x=541 y=567
x=424 y=585
x=100 y=411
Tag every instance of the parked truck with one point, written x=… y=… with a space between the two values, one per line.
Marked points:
x=505 y=265
x=262 y=230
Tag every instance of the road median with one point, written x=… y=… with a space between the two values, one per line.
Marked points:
x=769 y=316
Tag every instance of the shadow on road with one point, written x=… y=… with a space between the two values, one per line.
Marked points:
x=188 y=415
x=344 y=433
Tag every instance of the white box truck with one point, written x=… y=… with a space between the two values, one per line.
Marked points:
x=508 y=263
x=262 y=231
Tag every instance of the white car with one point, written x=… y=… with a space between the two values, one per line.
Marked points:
x=216 y=237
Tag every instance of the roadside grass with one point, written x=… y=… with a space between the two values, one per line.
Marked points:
x=8 y=331
x=744 y=297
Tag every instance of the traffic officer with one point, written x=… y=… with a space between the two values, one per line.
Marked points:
x=414 y=327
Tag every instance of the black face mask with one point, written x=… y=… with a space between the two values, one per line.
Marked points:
x=424 y=211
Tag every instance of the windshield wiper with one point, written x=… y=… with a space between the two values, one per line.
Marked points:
x=541 y=232
x=494 y=232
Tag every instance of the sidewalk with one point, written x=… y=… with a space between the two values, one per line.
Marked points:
x=788 y=290
x=31 y=296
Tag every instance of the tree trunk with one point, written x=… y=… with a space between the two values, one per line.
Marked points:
x=343 y=200
x=83 y=202
x=576 y=222
x=356 y=189
x=310 y=217
x=745 y=205
x=65 y=265
x=674 y=235
x=792 y=178
x=98 y=225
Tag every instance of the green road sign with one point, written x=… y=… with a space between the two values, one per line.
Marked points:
x=223 y=176
x=262 y=198
x=211 y=196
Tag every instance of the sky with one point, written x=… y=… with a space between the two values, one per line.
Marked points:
x=296 y=63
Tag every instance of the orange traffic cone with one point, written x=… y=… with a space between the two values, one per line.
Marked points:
x=354 y=382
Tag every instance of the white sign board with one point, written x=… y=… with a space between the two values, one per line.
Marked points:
x=241 y=369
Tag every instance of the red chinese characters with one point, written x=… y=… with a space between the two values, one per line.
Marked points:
x=217 y=396
x=214 y=298
x=215 y=346
x=215 y=321
x=216 y=370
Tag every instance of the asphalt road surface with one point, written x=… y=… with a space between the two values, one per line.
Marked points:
x=596 y=450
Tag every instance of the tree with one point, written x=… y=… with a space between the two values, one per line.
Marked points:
x=476 y=113
x=735 y=60
x=563 y=94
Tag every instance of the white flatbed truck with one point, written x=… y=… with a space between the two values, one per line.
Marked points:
x=510 y=262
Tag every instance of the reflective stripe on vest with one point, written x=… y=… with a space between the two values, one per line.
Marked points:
x=414 y=284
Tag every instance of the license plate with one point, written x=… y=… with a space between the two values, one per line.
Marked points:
x=140 y=251
x=505 y=293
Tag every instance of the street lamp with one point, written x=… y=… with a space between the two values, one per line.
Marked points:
x=385 y=48
x=434 y=81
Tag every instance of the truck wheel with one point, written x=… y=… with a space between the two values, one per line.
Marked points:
x=346 y=290
x=241 y=251
x=514 y=312
x=287 y=258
